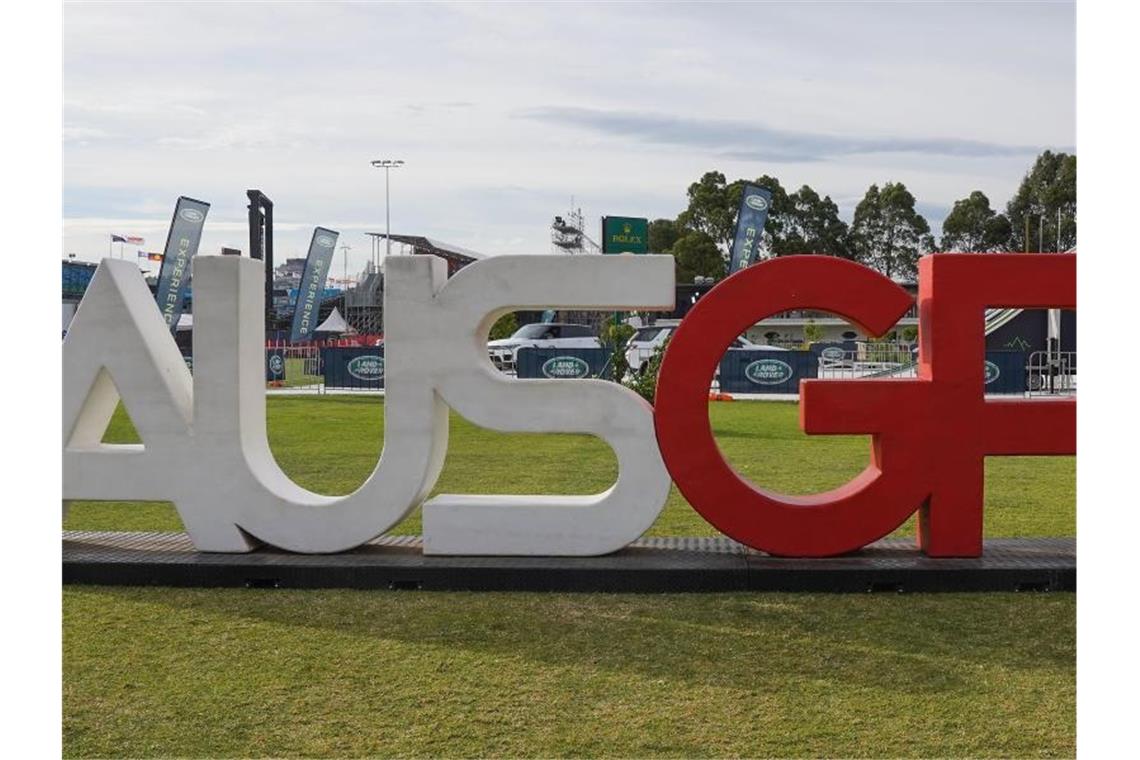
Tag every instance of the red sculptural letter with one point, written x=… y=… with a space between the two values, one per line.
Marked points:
x=929 y=434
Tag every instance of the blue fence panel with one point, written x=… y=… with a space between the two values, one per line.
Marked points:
x=744 y=370
x=1005 y=372
x=751 y=371
x=353 y=367
x=562 y=363
x=833 y=350
x=275 y=365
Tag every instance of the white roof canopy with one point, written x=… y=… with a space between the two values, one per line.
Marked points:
x=335 y=324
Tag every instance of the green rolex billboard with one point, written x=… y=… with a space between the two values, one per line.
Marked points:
x=625 y=234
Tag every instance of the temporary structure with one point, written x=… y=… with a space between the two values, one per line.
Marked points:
x=335 y=325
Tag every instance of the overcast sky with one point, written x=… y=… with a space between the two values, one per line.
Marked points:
x=503 y=113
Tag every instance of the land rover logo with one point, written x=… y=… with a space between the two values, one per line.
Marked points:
x=768 y=372
x=369 y=368
x=833 y=353
x=325 y=241
x=191 y=215
x=756 y=202
x=276 y=364
x=992 y=372
x=565 y=366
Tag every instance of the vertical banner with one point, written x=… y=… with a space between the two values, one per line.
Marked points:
x=181 y=246
x=749 y=227
x=317 y=264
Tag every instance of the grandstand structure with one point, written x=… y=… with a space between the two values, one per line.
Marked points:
x=362 y=304
x=456 y=256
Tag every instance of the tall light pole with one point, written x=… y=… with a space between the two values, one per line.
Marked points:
x=387 y=164
x=345 y=248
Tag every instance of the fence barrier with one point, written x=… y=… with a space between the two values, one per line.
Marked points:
x=359 y=367
x=751 y=371
x=746 y=370
x=1052 y=373
x=562 y=363
x=294 y=367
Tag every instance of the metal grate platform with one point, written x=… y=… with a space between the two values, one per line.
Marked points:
x=648 y=565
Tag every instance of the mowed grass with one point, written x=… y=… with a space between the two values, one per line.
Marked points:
x=221 y=672
x=331 y=444
x=255 y=673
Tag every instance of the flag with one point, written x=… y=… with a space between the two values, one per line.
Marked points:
x=312 y=284
x=150 y=255
x=181 y=246
x=118 y=239
x=134 y=240
x=750 y=219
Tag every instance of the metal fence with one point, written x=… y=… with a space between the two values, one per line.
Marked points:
x=294 y=367
x=867 y=360
x=1041 y=373
x=1052 y=373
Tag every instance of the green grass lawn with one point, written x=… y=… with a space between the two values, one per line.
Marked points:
x=299 y=373
x=330 y=444
x=188 y=672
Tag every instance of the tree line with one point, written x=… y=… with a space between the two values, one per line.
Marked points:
x=886 y=232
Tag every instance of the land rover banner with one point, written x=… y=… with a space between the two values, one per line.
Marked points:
x=749 y=227
x=317 y=263
x=181 y=245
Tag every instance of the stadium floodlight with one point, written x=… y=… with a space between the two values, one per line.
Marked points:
x=387 y=164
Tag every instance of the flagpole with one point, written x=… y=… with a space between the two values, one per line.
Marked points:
x=110 y=246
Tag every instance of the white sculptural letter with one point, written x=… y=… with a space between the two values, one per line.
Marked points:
x=455 y=337
x=215 y=464
x=204 y=443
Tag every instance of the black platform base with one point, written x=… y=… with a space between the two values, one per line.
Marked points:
x=648 y=565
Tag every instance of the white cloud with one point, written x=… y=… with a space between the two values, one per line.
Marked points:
x=207 y=100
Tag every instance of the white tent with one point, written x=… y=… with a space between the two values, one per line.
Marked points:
x=335 y=324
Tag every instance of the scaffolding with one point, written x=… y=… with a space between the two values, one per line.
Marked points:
x=567 y=234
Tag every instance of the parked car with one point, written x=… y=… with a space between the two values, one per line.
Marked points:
x=639 y=350
x=540 y=335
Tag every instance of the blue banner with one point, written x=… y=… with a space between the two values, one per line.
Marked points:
x=353 y=367
x=750 y=220
x=1005 y=372
x=754 y=371
x=834 y=350
x=181 y=246
x=317 y=263
x=562 y=363
x=745 y=370
x=275 y=365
